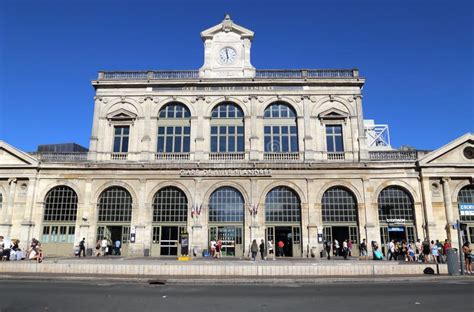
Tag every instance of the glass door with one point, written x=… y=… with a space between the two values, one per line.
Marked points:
x=296 y=241
x=169 y=241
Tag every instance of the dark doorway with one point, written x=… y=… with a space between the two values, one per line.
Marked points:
x=397 y=233
x=115 y=234
x=341 y=233
x=284 y=234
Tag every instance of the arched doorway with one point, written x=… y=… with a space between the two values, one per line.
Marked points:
x=465 y=204
x=170 y=214
x=340 y=218
x=396 y=215
x=226 y=219
x=114 y=217
x=59 y=221
x=283 y=220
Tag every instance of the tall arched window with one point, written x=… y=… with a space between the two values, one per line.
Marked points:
x=115 y=205
x=174 y=129
x=60 y=205
x=226 y=204
x=395 y=203
x=466 y=197
x=280 y=130
x=59 y=217
x=339 y=205
x=170 y=205
x=282 y=204
x=227 y=129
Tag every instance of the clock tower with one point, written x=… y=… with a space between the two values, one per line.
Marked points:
x=227 y=51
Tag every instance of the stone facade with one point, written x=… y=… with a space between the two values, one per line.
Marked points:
x=318 y=99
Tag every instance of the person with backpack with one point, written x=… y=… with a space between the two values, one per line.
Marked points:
x=82 y=247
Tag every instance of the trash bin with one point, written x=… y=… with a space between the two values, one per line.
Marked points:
x=453 y=261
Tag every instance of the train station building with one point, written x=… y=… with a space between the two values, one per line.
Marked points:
x=233 y=153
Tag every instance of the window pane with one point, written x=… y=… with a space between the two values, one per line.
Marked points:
x=124 y=145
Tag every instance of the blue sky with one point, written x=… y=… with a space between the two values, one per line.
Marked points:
x=417 y=57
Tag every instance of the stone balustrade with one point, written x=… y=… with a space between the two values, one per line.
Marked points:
x=260 y=74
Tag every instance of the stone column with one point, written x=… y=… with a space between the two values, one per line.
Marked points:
x=28 y=223
x=198 y=125
x=6 y=221
x=146 y=150
x=362 y=139
x=430 y=223
x=138 y=213
x=198 y=235
x=448 y=206
x=95 y=126
x=254 y=139
x=371 y=225
x=308 y=138
x=87 y=217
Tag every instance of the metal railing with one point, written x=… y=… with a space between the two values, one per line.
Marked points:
x=260 y=74
x=171 y=156
x=393 y=155
x=61 y=157
x=226 y=156
x=281 y=156
x=118 y=156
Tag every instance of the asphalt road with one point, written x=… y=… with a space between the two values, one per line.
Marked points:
x=34 y=295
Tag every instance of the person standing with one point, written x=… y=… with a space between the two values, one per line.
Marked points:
x=391 y=250
x=97 y=248
x=117 y=247
x=262 y=249
x=363 y=248
x=254 y=249
x=466 y=249
x=335 y=248
x=327 y=247
x=425 y=246
x=281 y=252
x=82 y=247
x=349 y=247
x=104 y=246
x=345 y=249
x=219 y=249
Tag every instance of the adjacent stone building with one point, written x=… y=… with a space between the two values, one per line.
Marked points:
x=233 y=153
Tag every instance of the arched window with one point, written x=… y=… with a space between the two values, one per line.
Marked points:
x=115 y=205
x=60 y=205
x=174 y=129
x=227 y=129
x=226 y=204
x=466 y=197
x=170 y=205
x=282 y=204
x=395 y=203
x=280 y=130
x=339 y=205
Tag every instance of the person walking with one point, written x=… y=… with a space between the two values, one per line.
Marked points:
x=82 y=247
x=345 y=249
x=219 y=249
x=425 y=247
x=434 y=252
x=270 y=249
x=349 y=247
x=254 y=249
x=262 y=250
x=97 y=248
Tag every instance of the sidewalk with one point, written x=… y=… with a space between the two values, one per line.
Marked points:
x=212 y=268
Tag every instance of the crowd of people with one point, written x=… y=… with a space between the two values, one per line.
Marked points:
x=344 y=250
x=10 y=250
x=103 y=247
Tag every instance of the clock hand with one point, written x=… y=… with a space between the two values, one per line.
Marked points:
x=227 y=53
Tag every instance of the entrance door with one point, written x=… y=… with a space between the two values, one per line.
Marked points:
x=285 y=235
x=230 y=237
x=296 y=241
x=169 y=241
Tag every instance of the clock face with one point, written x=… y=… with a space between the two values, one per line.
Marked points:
x=227 y=55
